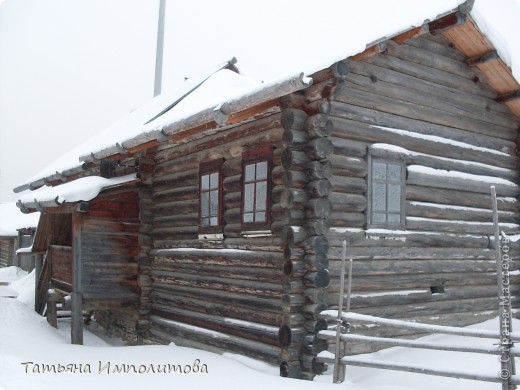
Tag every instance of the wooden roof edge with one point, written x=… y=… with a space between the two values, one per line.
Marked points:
x=218 y=116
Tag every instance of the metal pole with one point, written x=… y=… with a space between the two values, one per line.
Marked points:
x=159 y=51
x=337 y=351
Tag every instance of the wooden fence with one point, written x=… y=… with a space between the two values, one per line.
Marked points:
x=505 y=336
x=327 y=357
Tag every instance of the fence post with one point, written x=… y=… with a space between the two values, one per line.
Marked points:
x=337 y=352
x=504 y=304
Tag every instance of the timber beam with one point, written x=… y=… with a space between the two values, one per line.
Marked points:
x=508 y=97
x=481 y=59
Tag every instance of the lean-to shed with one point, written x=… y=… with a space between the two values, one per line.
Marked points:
x=219 y=224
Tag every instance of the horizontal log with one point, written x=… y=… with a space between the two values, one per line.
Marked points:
x=260 y=303
x=407 y=238
x=350 y=93
x=386 y=151
x=318 y=169
x=293 y=100
x=434 y=210
x=293 y=234
x=381 y=81
x=253 y=258
x=423 y=72
x=317 y=226
x=316 y=295
x=285 y=216
x=428 y=177
x=316 y=262
x=348 y=202
x=294 y=159
x=316 y=245
x=349 y=148
x=188 y=336
x=319 y=125
x=345 y=219
x=346 y=184
x=444 y=225
x=295 y=179
x=349 y=166
x=457 y=198
x=319 y=148
x=362 y=124
x=318 y=107
x=295 y=138
x=293 y=198
x=294 y=119
x=412 y=253
x=318 y=208
x=318 y=188
x=288 y=336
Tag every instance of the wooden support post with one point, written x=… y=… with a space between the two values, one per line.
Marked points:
x=76 y=329
x=52 y=310
x=337 y=365
x=504 y=304
x=37 y=271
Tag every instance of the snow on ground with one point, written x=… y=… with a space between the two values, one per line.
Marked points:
x=27 y=343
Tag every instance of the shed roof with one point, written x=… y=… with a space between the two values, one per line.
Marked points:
x=204 y=111
x=11 y=219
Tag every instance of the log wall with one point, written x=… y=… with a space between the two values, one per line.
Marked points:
x=418 y=102
x=109 y=251
x=221 y=291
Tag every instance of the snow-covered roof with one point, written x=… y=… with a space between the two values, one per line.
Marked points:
x=11 y=219
x=155 y=122
x=83 y=189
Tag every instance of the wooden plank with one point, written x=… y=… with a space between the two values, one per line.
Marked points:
x=77 y=282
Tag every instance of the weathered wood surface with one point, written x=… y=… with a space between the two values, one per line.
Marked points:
x=419 y=103
x=7 y=251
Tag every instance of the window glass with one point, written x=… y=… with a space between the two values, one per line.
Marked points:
x=255 y=196
x=210 y=199
x=386 y=191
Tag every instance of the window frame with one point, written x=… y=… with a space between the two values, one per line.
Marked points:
x=207 y=168
x=402 y=202
x=253 y=157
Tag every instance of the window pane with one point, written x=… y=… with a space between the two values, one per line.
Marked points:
x=250 y=172
x=394 y=197
x=379 y=197
x=214 y=221
x=379 y=170
x=248 y=217
x=261 y=196
x=214 y=180
x=204 y=182
x=249 y=197
x=213 y=203
x=260 y=217
x=378 y=218
x=205 y=221
x=394 y=218
x=261 y=170
x=204 y=204
x=394 y=172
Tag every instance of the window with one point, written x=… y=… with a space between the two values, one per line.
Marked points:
x=210 y=195
x=256 y=179
x=386 y=189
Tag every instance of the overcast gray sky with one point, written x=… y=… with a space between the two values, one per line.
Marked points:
x=70 y=68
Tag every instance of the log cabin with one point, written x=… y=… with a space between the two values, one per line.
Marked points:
x=222 y=228
x=16 y=232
